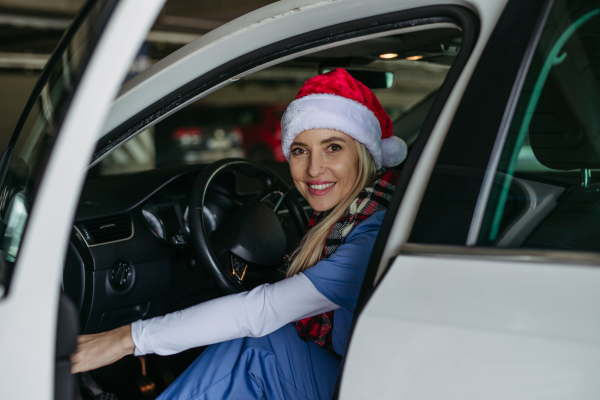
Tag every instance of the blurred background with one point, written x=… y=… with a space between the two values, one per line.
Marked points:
x=31 y=29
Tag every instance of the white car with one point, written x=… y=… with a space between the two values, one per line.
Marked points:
x=484 y=282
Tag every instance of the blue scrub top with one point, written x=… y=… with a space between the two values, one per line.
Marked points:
x=339 y=277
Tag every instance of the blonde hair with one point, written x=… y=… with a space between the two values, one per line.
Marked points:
x=309 y=251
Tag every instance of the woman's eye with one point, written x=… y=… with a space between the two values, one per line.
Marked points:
x=335 y=147
x=298 y=151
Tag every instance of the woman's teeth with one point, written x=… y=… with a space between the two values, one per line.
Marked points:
x=321 y=187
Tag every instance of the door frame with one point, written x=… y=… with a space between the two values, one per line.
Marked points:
x=29 y=311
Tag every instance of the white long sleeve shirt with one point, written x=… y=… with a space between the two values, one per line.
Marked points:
x=255 y=313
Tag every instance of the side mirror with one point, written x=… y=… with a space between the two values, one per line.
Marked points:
x=370 y=78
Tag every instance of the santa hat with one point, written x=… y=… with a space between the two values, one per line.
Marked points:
x=337 y=101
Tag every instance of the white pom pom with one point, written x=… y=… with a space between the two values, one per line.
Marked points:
x=394 y=151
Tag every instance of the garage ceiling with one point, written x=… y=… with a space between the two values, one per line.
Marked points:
x=31 y=29
x=43 y=6
x=217 y=10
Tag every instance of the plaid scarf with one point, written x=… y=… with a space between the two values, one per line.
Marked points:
x=370 y=200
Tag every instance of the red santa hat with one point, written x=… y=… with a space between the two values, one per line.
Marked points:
x=337 y=101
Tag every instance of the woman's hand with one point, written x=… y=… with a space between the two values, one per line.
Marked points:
x=95 y=351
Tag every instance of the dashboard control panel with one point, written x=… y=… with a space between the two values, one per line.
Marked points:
x=121 y=275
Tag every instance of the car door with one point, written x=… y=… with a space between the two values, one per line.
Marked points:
x=42 y=173
x=486 y=285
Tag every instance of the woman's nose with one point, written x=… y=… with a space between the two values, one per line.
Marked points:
x=315 y=166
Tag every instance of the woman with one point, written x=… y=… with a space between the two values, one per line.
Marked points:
x=336 y=137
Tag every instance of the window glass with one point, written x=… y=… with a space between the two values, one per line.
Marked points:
x=31 y=145
x=243 y=119
x=546 y=189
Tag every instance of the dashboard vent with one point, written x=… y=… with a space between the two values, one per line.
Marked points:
x=106 y=229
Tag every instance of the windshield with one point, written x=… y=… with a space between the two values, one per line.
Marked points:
x=34 y=135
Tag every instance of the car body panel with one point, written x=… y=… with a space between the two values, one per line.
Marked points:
x=29 y=311
x=473 y=327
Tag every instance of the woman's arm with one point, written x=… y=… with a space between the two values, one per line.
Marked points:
x=255 y=313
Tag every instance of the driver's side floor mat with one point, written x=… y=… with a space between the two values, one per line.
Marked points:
x=127 y=379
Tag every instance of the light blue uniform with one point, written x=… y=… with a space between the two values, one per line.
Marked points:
x=280 y=365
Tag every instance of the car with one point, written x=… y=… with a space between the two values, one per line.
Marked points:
x=484 y=278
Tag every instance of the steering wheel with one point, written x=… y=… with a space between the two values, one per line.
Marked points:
x=251 y=240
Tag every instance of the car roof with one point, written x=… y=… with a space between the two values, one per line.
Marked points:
x=259 y=28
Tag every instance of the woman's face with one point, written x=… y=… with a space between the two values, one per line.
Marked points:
x=324 y=166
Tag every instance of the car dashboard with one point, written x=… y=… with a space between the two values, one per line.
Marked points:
x=130 y=255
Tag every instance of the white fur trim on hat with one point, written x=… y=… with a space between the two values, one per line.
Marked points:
x=329 y=111
x=394 y=151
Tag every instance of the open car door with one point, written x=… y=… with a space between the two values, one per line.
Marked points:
x=487 y=285
x=41 y=175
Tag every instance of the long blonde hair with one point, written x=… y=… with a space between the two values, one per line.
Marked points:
x=308 y=252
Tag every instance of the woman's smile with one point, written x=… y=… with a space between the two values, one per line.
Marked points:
x=319 y=188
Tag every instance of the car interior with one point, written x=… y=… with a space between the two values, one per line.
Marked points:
x=212 y=176
x=547 y=197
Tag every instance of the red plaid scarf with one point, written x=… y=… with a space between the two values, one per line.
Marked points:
x=370 y=200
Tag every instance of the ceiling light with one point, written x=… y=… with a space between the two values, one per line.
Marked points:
x=414 y=58
x=388 y=55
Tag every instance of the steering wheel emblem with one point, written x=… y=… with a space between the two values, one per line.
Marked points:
x=274 y=199
x=239 y=268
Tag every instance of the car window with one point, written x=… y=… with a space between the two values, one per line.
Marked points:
x=32 y=140
x=545 y=192
x=243 y=118
x=520 y=150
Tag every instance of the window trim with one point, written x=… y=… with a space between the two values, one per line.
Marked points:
x=557 y=257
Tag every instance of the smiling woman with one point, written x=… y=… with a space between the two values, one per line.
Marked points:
x=251 y=335
x=330 y=167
